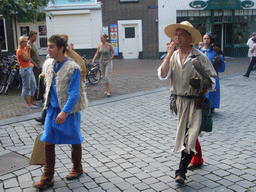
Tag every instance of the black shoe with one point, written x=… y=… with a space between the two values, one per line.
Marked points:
x=180 y=180
x=246 y=76
x=40 y=120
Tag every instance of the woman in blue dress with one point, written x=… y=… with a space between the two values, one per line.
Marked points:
x=219 y=66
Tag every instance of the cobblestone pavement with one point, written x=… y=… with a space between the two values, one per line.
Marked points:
x=128 y=141
x=128 y=76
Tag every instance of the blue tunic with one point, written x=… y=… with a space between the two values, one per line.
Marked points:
x=69 y=131
x=214 y=96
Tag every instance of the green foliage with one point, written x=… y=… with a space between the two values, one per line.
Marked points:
x=25 y=10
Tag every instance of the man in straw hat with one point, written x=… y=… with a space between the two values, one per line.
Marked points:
x=65 y=97
x=179 y=67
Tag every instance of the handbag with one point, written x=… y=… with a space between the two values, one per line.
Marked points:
x=207 y=122
x=38 y=153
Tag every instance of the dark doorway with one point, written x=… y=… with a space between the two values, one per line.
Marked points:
x=228 y=34
x=217 y=33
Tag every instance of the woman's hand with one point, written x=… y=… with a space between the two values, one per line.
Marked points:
x=61 y=117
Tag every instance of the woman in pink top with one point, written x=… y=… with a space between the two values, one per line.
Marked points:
x=253 y=61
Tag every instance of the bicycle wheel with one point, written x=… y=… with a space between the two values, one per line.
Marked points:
x=9 y=82
x=3 y=82
x=94 y=76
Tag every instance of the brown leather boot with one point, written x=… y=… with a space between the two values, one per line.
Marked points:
x=76 y=157
x=47 y=177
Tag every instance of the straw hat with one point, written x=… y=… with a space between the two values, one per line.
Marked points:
x=78 y=59
x=196 y=35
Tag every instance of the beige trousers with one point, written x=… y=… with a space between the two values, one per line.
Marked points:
x=106 y=69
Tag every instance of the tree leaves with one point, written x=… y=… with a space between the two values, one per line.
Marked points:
x=25 y=10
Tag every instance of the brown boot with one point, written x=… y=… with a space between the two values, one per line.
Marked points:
x=47 y=177
x=76 y=157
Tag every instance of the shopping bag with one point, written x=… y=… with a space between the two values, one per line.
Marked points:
x=38 y=153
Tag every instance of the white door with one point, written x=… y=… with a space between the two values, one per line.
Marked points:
x=130 y=42
x=130 y=38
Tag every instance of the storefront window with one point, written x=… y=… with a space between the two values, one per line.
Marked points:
x=243 y=25
x=199 y=19
x=3 y=35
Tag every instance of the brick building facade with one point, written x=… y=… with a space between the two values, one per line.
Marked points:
x=126 y=14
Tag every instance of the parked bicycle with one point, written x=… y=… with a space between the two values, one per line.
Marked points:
x=14 y=79
x=4 y=73
x=10 y=77
x=93 y=72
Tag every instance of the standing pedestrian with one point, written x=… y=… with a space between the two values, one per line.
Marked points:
x=37 y=70
x=32 y=37
x=250 y=44
x=219 y=65
x=65 y=97
x=253 y=61
x=214 y=96
x=26 y=72
x=185 y=83
x=104 y=50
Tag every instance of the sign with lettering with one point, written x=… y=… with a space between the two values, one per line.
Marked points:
x=222 y=4
x=198 y=4
x=247 y=4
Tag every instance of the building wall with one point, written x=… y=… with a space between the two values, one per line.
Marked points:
x=81 y=21
x=83 y=29
x=113 y=11
x=230 y=23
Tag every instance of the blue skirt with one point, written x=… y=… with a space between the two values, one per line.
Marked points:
x=66 y=133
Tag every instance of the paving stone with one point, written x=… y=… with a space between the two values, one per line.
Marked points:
x=14 y=189
x=128 y=147
x=160 y=186
x=11 y=183
x=236 y=188
x=233 y=178
x=246 y=184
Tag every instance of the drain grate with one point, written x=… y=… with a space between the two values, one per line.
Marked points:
x=12 y=161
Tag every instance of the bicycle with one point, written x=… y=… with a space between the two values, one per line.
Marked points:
x=9 y=70
x=93 y=72
x=5 y=71
x=14 y=78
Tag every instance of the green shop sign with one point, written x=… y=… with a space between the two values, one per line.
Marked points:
x=221 y=4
